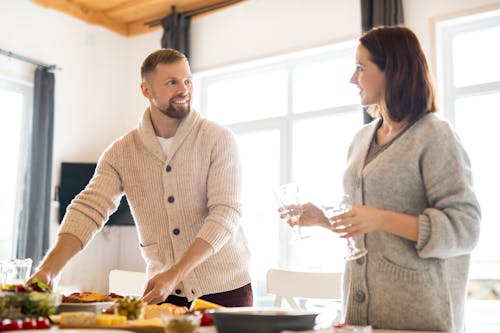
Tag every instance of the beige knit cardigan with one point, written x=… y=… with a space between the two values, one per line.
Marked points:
x=193 y=192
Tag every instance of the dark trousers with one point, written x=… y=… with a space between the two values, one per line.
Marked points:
x=233 y=298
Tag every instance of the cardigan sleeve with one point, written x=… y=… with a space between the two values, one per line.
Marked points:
x=90 y=209
x=223 y=192
x=450 y=225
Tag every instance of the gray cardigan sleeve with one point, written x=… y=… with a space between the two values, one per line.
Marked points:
x=450 y=226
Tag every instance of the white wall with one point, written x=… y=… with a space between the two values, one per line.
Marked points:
x=97 y=99
x=97 y=91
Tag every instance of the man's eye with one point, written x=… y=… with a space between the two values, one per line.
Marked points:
x=188 y=82
x=171 y=83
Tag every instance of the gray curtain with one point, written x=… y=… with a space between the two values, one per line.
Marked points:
x=380 y=12
x=176 y=32
x=34 y=219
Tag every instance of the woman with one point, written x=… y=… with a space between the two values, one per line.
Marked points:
x=414 y=209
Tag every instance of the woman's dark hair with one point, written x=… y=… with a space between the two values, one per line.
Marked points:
x=409 y=91
x=162 y=56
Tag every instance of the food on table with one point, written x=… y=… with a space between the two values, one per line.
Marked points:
x=77 y=319
x=86 y=297
x=182 y=323
x=155 y=311
x=110 y=320
x=146 y=322
x=200 y=304
x=129 y=307
x=27 y=300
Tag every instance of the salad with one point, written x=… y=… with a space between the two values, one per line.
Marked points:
x=28 y=300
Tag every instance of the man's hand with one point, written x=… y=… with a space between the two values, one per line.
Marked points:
x=66 y=247
x=160 y=286
x=44 y=277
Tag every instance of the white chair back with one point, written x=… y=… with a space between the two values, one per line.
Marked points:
x=288 y=285
x=127 y=282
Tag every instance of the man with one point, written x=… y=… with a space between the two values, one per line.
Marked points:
x=181 y=175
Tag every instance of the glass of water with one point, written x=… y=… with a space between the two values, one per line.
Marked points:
x=345 y=205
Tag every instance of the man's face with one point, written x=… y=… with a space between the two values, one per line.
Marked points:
x=169 y=89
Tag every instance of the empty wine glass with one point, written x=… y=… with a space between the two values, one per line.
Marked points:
x=345 y=204
x=287 y=196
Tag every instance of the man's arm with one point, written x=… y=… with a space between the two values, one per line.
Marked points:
x=65 y=248
x=160 y=285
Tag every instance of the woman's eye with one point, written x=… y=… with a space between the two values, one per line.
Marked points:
x=359 y=68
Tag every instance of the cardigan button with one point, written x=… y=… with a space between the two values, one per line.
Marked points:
x=169 y=168
x=360 y=261
x=359 y=296
x=171 y=199
x=176 y=231
x=178 y=291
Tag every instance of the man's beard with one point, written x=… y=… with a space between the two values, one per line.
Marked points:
x=176 y=113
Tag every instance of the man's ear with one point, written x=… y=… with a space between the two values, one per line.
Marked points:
x=146 y=89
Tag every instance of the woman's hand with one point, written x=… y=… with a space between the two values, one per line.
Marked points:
x=357 y=221
x=312 y=216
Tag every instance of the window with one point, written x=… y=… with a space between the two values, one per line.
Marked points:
x=294 y=118
x=15 y=101
x=470 y=88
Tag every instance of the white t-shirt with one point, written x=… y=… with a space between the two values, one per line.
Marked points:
x=165 y=143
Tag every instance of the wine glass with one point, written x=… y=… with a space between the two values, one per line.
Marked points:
x=344 y=205
x=287 y=196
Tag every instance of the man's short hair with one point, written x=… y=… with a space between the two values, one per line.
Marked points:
x=163 y=56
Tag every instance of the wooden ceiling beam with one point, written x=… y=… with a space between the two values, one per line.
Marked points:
x=86 y=14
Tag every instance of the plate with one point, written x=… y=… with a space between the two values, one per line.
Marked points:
x=262 y=320
x=96 y=307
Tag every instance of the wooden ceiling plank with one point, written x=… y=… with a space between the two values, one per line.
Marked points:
x=86 y=14
x=139 y=10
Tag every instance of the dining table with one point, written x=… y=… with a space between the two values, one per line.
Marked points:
x=206 y=329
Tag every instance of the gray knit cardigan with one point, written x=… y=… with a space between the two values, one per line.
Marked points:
x=403 y=284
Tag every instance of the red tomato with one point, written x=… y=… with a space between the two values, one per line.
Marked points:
x=11 y=325
x=29 y=323
x=42 y=323
x=206 y=319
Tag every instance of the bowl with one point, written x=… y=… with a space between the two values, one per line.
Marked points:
x=270 y=320
x=16 y=305
x=181 y=323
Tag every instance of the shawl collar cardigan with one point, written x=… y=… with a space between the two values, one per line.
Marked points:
x=192 y=192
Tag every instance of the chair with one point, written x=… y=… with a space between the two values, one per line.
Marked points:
x=126 y=282
x=289 y=285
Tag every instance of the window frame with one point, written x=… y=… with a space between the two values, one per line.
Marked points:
x=26 y=91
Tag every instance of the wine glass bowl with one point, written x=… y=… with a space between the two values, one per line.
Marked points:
x=345 y=205
x=287 y=196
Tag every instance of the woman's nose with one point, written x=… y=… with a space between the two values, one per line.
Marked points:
x=354 y=78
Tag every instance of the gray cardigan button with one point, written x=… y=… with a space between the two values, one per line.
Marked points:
x=360 y=261
x=359 y=296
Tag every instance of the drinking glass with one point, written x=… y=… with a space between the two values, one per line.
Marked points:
x=287 y=196
x=15 y=271
x=344 y=205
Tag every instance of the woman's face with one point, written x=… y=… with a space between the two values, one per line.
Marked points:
x=369 y=78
